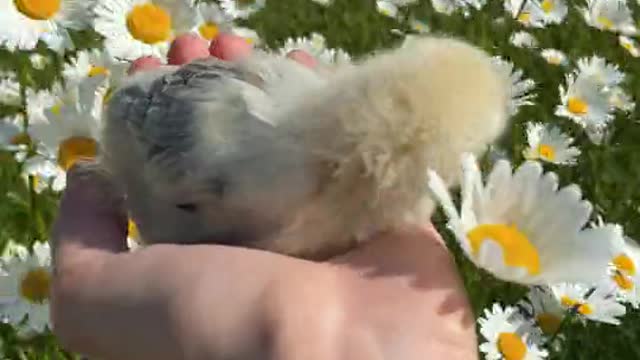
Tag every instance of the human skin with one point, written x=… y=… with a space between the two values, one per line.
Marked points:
x=398 y=296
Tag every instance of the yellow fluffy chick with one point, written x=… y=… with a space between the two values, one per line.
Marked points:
x=268 y=154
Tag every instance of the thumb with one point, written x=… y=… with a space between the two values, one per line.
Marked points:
x=91 y=215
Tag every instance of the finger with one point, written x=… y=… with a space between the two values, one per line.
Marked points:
x=143 y=64
x=303 y=57
x=230 y=47
x=91 y=216
x=187 y=48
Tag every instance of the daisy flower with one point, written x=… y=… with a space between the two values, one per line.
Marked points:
x=549 y=144
x=629 y=44
x=241 y=9
x=13 y=249
x=25 y=22
x=446 y=7
x=545 y=309
x=315 y=45
x=13 y=138
x=553 y=11
x=387 y=8
x=38 y=62
x=45 y=172
x=449 y=6
x=531 y=15
x=523 y=39
x=136 y=28
x=10 y=91
x=583 y=102
x=625 y=272
x=507 y=335
x=95 y=65
x=595 y=305
x=25 y=286
x=418 y=26
x=39 y=100
x=554 y=56
x=73 y=125
x=133 y=236
x=609 y=15
x=520 y=87
x=212 y=21
x=600 y=71
x=521 y=228
x=620 y=100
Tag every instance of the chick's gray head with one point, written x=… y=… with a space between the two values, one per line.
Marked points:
x=197 y=160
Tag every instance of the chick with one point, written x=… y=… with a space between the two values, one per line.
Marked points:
x=269 y=154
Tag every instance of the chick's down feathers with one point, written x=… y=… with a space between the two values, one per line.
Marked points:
x=266 y=153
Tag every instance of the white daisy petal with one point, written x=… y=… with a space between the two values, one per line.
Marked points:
x=241 y=9
x=520 y=87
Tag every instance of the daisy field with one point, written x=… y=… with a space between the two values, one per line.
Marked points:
x=544 y=228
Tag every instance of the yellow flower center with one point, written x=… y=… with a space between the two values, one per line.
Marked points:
x=516 y=248
x=20 y=139
x=34 y=286
x=133 y=230
x=74 y=149
x=524 y=17
x=623 y=281
x=511 y=346
x=577 y=106
x=548 y=6
x=57 y=108
x=38 y=9
x=582 y=308
x=554 y=59
x=546 y=152
x=35 y=181
x=624 y=263
x=98 y=70
x=548 y=323
x=149 y=23
x=209 y=31
x=605 y=22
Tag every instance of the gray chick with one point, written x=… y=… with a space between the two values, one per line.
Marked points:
x=268 y=154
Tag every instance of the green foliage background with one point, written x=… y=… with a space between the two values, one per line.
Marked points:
x=609 y=174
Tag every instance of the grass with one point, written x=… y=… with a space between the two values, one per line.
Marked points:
x=609 y=174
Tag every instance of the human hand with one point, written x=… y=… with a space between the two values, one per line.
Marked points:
x=396 y=297
x=399 y=296
x=188 y=47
